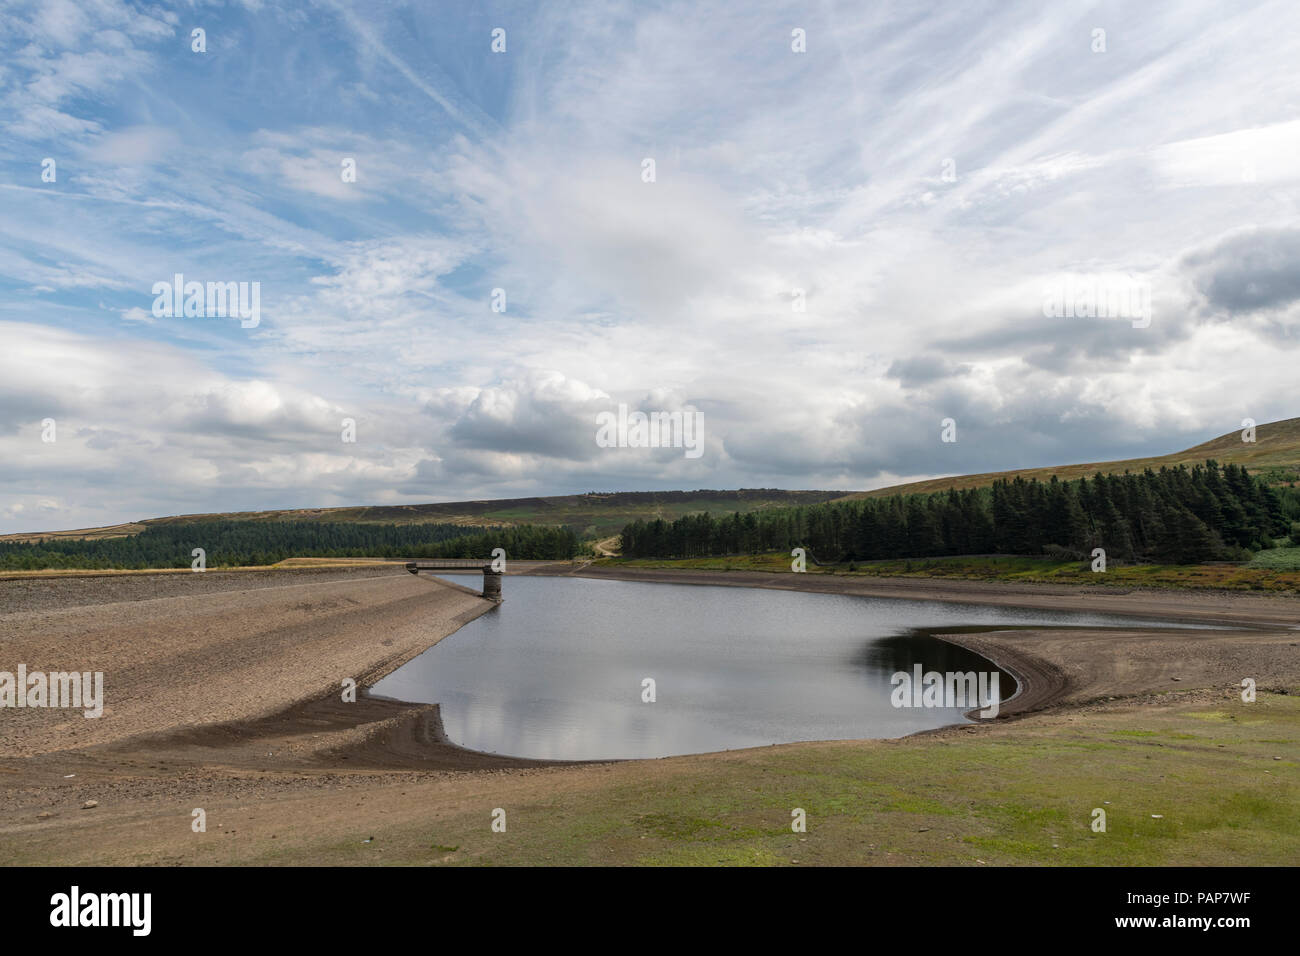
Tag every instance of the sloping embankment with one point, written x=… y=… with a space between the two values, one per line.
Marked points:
x=215 y=648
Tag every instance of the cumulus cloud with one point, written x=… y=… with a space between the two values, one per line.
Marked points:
x=176 y=434
x=542 y=413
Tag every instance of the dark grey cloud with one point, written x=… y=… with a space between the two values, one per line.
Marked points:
x=1249 y=271
x=1061 y=344
x=924 y=369
x=19 y=409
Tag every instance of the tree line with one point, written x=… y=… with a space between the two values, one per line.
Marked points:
x=1176 y=515
x=236 y=543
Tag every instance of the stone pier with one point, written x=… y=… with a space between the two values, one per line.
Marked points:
x=491 y=578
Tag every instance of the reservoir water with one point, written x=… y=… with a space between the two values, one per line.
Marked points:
x=557 y=670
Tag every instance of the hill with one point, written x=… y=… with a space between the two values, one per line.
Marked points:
x=593 y=515
x=1276 y=447
x=603 y=515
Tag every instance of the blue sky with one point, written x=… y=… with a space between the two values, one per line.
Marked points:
x=925 y=173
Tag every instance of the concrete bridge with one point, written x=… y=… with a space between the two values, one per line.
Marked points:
x=491 y=578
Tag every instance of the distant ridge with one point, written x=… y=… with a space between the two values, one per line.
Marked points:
x=600 y=514
x=596 y=514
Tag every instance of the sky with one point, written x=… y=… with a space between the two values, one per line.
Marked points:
x=857 y=220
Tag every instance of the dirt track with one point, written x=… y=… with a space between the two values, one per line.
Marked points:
x=229 y=696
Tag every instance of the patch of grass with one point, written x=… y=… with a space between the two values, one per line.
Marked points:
x=712 y=856
x=676 y=827
x=1003 y=846
x=1281 y=559
x=1025 y=794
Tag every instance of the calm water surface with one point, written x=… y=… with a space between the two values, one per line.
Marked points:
x=555 y=672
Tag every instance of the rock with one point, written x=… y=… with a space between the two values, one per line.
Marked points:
x=90 y=804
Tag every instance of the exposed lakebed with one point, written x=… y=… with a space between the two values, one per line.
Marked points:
x=557 y=671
